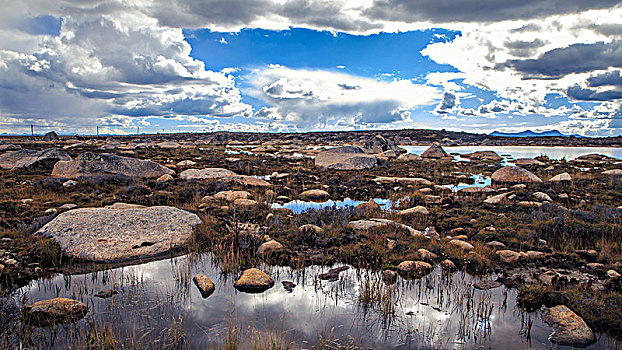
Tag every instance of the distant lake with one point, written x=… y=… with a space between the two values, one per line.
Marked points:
x=527 y=151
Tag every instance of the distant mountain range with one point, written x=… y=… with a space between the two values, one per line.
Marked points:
x=529 y=133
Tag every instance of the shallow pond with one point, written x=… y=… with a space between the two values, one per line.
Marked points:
x=300 y=206
x=155 y=298
x=526 y=151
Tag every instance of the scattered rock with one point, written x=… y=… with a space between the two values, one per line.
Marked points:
x=461 y=244
x=427 y=255
x=508 y=256
x=70 y=183
x=486 y=284
x=91 y=164
x=186 y=163
x=616 y=172
x=165 y=178
x=205 y=174
x=269 y=247
x=528 y=161
x=333 y=274
x=345 y=158
x=315 y=195
x=379 y=144
x=254 y=281
x=117 y=234
x=514 y=174
x=613 y=274
x=434 y=152
x=486 y=156
x=406 y=180
x=408 y=157
x=288 y=286
x=389 y=277
x=414 y=267
x=497 y=199
x=204 y=284
x=29 y=160
x=243 y=202
x=561 y=177
x=534 y=255
x=448 y=265
x=310 y=228
x=541 y=196
x=106 y=293
x=496 y=245
x=367 y=207
x=569 y=328
x=50 y=136
x=231 y=196
x=420 y=210
x=53 y=311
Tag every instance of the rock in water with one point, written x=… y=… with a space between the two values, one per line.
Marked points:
x=204 y=284
x=120 y=234
x=345 y=158
x=414 y=267
x=91 y=164
x=106 y=293
x=569 y=328
x=514 y=174
x=29 y=160
x=254 y=281
x=57 y=310
x=269 y=247
x=434 y=152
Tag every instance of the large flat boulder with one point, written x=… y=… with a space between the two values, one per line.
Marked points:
x=31 y=160
x=92 y=164
x=345 y=158
x=569 y=328
x=484 y=156
x=514 y=174
x=122 y=233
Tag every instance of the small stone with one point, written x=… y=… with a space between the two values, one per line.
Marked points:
x=596 y=266
x=461 y=244
x=70 y=183
x=425 y=254
x=508 y=256
x=315 y=195
x=613 y=274
x=269 y=217
x=241 y=202
x=10 y=261
x=165 y=178
x=106 y=293
x=68 y=206
x=418 y=210
x=486 y=284
x=254 y=281
x=26 y=201
x=288 y=286
x=51 y=211
x=389 y=277
x=409 y=266
x=391 y=243
x=269 y=247
x=496 y=245
x=448 y=265
x=204 y=284
x=534 y=255
x=541 y=196
x=310 y=228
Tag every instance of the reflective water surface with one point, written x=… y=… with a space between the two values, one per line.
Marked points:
x=435 y=311
x=557 y=152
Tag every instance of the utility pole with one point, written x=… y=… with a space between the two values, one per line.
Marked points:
x=32 y=130
x=137 y=129
x=98 y=131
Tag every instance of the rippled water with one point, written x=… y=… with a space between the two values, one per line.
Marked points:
x=300 y=206
x=435 y=311
x=527 y=151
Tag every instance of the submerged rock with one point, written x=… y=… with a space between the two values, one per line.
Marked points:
x=254 y=281
x=389 y=276
x=513 y=174
x=30 y=160
x=486 y=284
x=333 y=274
x=121 y=233
x=91 y=164
x=53 y=311
x=345 y=158
x=569 y=328
x=106 y=293
x=288 y=286
x=204 y=284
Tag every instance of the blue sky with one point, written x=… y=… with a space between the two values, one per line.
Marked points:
x=304 y=65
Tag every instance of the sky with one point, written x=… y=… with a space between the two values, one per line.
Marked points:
x=127 y=66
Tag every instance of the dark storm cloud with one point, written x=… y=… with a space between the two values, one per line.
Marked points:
x=579 y=93
x=613 y=78
x=576 y=58
x=448 y=102
x=477 y=11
